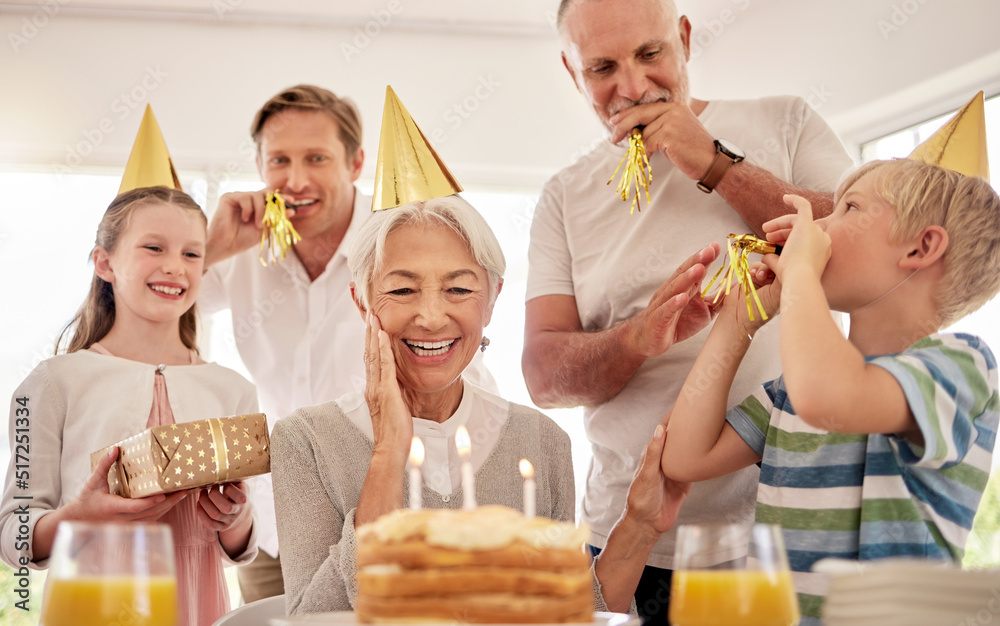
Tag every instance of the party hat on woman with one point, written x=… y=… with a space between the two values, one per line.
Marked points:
x=408 y=169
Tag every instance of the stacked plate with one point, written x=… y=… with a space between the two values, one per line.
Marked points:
x=909 y=592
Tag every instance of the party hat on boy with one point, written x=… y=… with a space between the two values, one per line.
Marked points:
x=960 y=144
x=149 y=165
x=408 y=169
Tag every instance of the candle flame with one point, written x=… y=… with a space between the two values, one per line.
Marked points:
x=416 y=452
x=527 y=471
x=463 y=442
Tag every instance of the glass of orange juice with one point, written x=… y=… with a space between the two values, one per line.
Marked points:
x=755 y=590
x=104 y=574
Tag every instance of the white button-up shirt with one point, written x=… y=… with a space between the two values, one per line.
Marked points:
x=483 y=414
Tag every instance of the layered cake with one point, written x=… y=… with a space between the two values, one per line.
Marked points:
x=488 y=565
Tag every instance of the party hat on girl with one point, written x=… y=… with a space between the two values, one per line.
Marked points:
x=149 y=164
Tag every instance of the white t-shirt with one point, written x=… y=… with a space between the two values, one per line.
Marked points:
x=585 y=244
x=302 y=341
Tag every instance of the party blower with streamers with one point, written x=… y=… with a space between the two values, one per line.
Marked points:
x=278 y=234
x=738 y=249
x=637 y=172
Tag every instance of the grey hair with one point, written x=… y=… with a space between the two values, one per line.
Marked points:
x=566 y=5
x=366 y=255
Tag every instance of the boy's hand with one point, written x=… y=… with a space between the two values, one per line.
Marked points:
x=804 y=243
x=734 y=306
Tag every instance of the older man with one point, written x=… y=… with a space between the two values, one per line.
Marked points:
x=605 y=315
x=294 y=322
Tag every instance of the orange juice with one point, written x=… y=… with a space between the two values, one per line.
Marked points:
x=728 y=597
x=99 y=601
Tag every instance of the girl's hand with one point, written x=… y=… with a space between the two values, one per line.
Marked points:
x=805 y=243
x=391 y=421
x=222 y=507
x=96 y=503
x=226 y=510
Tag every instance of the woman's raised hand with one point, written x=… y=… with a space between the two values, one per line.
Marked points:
x=392 y=427
x=391 y=421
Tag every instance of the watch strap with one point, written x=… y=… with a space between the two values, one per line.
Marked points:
x=722 y=162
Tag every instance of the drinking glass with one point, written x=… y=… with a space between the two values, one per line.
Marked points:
x=753 y=591
x=107 y=574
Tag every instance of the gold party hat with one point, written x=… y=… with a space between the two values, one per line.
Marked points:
x=408 y=169
x=149 y=165
x=960 y=144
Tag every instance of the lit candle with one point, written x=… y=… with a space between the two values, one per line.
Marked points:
x=416 y=483
x=464 y=445
x=528 y=472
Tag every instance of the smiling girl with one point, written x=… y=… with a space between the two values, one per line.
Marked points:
x=132 y=342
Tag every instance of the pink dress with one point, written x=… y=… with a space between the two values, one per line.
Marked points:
x=202 y=596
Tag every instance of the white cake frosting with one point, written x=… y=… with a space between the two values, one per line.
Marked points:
x=484 y=528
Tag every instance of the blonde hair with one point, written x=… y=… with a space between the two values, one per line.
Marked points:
x=367 y=252
x=969 y=210
x=96 y=315
x=313 y=98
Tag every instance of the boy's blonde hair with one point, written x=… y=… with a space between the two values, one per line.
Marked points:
x=969 y=210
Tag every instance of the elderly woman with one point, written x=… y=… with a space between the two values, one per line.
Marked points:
x=426 y=276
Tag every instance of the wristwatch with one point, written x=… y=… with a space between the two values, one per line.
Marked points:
x=726 y=154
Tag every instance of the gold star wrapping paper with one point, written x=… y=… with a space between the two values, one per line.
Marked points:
x=164 y=459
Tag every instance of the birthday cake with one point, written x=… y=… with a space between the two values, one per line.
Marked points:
x=487 y=565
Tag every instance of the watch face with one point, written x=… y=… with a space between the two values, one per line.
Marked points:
x=731 y=149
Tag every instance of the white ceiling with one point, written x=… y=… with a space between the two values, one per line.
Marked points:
x=513 y=16
x=868 y=66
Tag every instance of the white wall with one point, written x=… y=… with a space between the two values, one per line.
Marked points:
x=865 y=64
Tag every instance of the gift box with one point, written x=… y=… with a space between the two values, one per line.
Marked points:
x=163 y=459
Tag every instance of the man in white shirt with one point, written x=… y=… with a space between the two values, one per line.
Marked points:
x=294 y=323
x=608 y=327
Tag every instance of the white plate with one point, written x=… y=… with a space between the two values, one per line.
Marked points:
x=348 y=617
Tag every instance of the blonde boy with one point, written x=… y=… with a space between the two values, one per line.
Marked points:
x=888 y=448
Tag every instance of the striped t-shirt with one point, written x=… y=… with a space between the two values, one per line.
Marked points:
x=874 y=496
